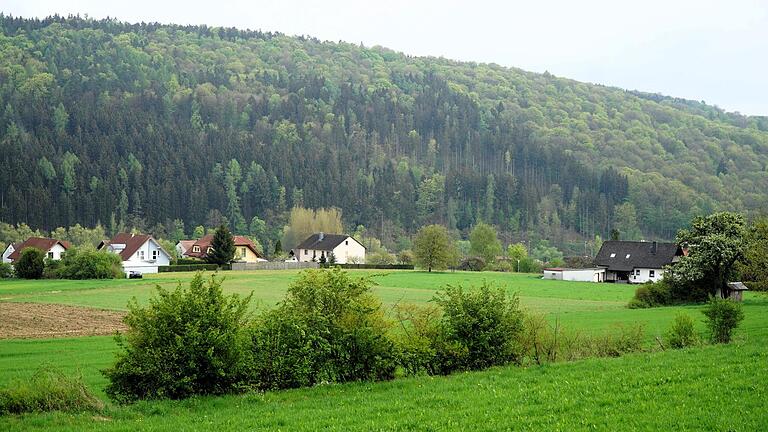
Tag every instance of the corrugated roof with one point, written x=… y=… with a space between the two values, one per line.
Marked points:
x=42 y=243
x=324 y=242
x=629 y=255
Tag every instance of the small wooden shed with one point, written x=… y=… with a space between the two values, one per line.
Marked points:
x=735 y=290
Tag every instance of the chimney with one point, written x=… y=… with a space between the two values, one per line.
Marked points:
x=322 y=236
x=654 y=247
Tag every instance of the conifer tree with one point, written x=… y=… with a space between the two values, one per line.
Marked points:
x=223 y=247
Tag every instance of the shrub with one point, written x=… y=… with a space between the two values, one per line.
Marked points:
x=47 y=390
x=416 y=336
x=652 y=294
x=91 y=264
x=189 y=267
x=381 y=258
x=472 y=264
x=405 y=257
x=329 y=328
x=682 y=333
x=30 y=264
x=6 y=270
x=185 y=342
x=723 y=316
x=479 y=328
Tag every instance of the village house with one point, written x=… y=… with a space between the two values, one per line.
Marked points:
x=140 y=252
x=183 y=246
x=245 y=249
x=636 y=261
x=344 y=248
x=54 y=249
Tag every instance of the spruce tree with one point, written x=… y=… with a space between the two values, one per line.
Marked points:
x=223 y=247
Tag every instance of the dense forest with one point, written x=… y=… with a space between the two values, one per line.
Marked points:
x=150 y=126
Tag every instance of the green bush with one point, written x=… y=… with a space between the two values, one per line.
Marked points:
x=90 y=264
x=188 y=267
x=479 y=328
x=30 y=264
x=415 y=338
x=682 y=334
x=329 y=328
x=652 y=294
x=47 y=390
x=6 y=270
x=722 y=317
x=185 y=342
x=472 y=264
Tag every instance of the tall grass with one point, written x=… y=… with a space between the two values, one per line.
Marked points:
x=48 y=390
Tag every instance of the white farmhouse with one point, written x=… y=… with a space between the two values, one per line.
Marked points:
x=139 y=252
x=344 y=248
x=636 y=261
x=54 y=249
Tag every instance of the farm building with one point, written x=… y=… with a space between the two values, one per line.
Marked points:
x=139 y=252
x=344 y=248
x=575 y=274
x=636 y=261
x=54 y=249
x=245 y=249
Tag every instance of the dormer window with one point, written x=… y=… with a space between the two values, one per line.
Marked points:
x=613 y=255
x=195 y=248
x=209 y=250
x=627 y=257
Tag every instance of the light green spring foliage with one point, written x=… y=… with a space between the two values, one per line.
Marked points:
x=484 y=243
x=433 y=248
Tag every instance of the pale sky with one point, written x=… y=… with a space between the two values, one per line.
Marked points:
x=716 y=51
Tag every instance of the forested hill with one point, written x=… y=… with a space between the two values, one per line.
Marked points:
x=140 y=124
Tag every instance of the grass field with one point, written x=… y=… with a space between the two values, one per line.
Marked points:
x=708 y=388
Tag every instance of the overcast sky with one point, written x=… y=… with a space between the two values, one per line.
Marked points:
x=716 y=51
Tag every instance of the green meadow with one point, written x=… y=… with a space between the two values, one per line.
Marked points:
x=705 y=388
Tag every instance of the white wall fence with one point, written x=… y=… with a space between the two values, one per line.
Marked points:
x=240 y=266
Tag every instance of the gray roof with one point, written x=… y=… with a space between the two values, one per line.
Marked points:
x=323 y=242
x=652 y=255
x=737 y=286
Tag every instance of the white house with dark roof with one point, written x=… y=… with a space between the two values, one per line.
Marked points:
x=636 y=261
x=343 y=247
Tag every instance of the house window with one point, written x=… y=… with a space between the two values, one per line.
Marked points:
x=651 y=273
x=637 y=272
x=242 y=252
x=195 y=248
x=346 y=242
x=141 y=254
x=627 y=257
x=306 y=252
x=154 y=254
x=50 y=255
x=613 y=255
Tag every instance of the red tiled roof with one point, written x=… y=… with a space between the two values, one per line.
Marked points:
x=206 y=241
x=43 y=243
x=132 y=243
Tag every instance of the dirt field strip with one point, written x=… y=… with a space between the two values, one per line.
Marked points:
x=35 y=320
